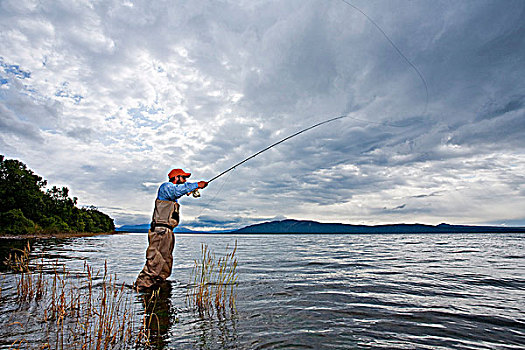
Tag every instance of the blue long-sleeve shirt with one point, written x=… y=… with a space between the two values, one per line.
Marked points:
x=168 y=191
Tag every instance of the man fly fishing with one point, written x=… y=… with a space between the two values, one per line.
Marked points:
x=166 y=217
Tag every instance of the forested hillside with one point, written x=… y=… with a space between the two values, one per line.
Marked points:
x=26 y=206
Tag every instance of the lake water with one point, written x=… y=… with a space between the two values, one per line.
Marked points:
x=438 y=291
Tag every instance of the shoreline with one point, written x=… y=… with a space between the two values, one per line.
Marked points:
x=59 y=235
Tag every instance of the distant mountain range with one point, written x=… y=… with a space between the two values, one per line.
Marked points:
x=303 y=226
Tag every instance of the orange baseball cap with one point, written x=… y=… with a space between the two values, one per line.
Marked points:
x=177 y=172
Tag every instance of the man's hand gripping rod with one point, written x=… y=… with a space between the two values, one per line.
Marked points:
x=195 y=193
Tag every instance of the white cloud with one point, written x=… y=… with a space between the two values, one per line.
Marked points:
x=115 y=94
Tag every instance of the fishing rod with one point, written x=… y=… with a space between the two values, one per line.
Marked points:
x=196 y=192
x=275 y=144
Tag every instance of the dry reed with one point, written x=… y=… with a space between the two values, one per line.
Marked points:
x=213 y=282
x=19 y=262
x=75 y=314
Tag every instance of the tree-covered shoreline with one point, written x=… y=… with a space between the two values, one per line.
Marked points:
x=27 y=207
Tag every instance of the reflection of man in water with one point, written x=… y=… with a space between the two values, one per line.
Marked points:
x=202 y=333
x=159 y=314
x=159 y=259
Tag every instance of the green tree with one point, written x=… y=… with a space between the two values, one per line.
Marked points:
x=21 y=189
x=26 y=207
x=59 y=204
x=14 y=222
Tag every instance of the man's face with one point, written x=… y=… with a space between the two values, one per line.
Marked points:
x=181 y=179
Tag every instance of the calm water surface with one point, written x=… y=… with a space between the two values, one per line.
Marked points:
x=446 y=291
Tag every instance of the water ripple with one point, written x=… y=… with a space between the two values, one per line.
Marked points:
x=447 y=291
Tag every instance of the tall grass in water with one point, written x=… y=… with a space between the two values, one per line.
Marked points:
x=29 y=285
x=18 y=259
x=88 y=310
x=213 y=282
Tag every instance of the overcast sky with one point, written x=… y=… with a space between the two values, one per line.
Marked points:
x=105 y=97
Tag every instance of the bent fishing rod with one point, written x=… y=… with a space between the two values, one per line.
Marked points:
x=275 y=144
x=196 y=192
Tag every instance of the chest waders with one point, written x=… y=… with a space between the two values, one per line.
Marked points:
x=161 y=239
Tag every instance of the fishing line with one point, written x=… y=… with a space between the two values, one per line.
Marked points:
x=377 y=123
x=215 y=195
x=336 y=118
x=396 y=48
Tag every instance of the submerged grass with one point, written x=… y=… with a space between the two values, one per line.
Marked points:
x=72 y=312
x=213 y=282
